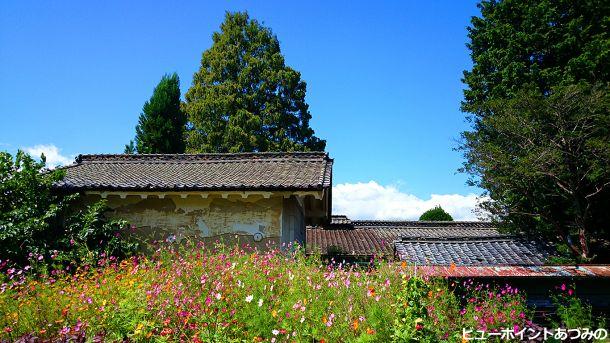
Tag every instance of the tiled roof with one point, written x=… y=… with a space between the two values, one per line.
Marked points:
x=425 y=243
x=340 y=220
x=366 y=238
x=389 y=224
x=473 y=252
x=240 y=171
x=353 y=242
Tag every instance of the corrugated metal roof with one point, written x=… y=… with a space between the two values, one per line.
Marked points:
x=602 y=271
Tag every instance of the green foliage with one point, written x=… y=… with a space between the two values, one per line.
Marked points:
x=39 y=226
x=437 y=310
x=161 y=126
x=28 y=208
x=572 y=312
x=436 y=214
x=411 y=305
x=538 y=44
x=544 y=161
x=537 y=95
x=130 y=148
x=87 y=235
x=244 y=97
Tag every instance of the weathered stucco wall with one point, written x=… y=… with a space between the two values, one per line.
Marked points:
x=195 y=217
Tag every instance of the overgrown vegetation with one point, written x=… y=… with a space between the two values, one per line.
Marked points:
x=571 y=312
x=42 y=228
x=215 y=293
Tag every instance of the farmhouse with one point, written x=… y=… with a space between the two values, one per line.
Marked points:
x=461 y=250
x=269 y=199
x=258 y=198
x=425 y=243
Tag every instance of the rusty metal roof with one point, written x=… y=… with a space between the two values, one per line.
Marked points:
x=601 y=271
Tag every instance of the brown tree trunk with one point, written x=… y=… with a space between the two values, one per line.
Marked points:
x=584 y=247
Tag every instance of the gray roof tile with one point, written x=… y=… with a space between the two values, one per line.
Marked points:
x=426 y=243
x=240 y=171
x=483 y=252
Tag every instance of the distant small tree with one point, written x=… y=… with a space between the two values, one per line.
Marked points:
x=436 y=214
x=160 y=129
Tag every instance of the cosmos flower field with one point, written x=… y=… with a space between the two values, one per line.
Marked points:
x=216 y=293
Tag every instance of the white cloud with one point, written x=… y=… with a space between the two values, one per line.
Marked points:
x=51 y=152
x=374 y=201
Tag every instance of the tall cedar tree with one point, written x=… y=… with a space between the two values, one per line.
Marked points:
x=244 y=98
x=161 y=126
x=537 y=98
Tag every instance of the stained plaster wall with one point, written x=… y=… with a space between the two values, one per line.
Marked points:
x=194 y=217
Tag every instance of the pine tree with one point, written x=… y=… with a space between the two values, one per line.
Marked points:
x=244 y=97
x=160 y=129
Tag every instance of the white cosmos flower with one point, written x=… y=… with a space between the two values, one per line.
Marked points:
x=275 y=332
x=249 y=298
x=260 y=302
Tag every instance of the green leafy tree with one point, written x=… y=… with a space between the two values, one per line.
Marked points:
x=535 y=44
x=536 y=98
x=244 y=97
x=161 y=126
x=436 y=214
x=43 y=226
x=547 y=168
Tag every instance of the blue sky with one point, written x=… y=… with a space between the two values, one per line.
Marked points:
x=383 y=80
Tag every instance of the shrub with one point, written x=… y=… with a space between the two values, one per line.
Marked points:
x=39 y=226
x=572 y=312
x=436 y=214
